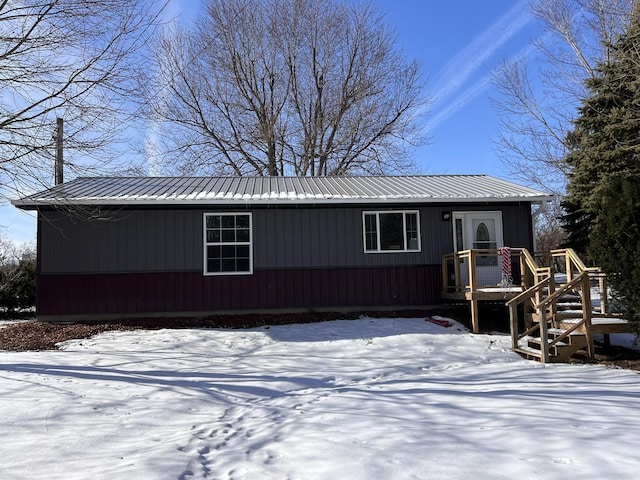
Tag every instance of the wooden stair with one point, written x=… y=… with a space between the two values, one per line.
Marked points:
x=564 y=330
x=560 y=318
x=559 y=350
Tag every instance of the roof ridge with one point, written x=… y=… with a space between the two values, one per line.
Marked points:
x=422 y=175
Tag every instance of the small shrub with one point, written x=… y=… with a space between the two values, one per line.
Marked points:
x=17 y=278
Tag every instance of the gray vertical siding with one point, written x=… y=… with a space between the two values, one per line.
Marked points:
x=126 y=241
x=170 y=240
x=333 y=237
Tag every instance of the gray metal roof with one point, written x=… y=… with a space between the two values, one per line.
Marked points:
x=281 y=190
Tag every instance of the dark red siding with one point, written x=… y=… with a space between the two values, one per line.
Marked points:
x=122 y=294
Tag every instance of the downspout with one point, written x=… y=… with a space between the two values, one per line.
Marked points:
x=542 y=208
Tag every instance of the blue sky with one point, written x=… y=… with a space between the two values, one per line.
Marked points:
x=458 y=43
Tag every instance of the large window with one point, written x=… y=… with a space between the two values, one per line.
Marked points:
x=227 y=244
x=391 y=231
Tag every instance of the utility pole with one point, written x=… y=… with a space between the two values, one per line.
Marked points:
x=59 y=165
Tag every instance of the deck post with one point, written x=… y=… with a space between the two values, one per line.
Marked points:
x=475 y=323
x=554 y=306
x=523 y=272
x=568 y=266
x=513 y=319
x=604 y=299
x=587 y=314
x=544 y=335
x=473 y=276
x=473 y=281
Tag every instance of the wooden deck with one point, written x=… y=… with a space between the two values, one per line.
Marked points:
x=486 y=294
x=560 y=311
x=477 y=276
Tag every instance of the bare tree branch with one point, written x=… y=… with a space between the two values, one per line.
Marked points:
x=539 y=104
x=282 y=87
x=73 y=59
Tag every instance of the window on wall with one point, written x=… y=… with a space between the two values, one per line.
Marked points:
x=391 y=231
x=227 y=244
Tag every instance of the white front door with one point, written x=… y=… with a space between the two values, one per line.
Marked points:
x=479 y=230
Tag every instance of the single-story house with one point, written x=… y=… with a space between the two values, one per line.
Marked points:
x=111 y=248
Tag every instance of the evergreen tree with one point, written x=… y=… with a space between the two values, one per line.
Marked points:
x=600 y=214
x=615 y=242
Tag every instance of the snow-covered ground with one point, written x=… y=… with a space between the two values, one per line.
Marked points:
x=6 y=323
x=362 y=399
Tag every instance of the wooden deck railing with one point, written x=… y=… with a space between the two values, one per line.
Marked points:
x=544 y=304
x=567 y=261
x=460 y=269
x=532 y=269
x=476 y=275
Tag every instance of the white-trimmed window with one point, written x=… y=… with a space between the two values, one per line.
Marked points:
x=391 y=231
x=227 y=244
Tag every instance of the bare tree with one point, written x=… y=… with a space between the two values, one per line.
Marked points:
x=72 y=59
x=539 y=104
x=285 y=87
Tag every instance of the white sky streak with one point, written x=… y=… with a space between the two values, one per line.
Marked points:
x=456 y=74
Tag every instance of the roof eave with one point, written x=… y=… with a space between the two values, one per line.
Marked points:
x=32 y=204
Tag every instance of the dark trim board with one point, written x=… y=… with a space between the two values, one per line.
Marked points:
x=95 y=297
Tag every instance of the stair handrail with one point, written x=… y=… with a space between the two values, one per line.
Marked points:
x=570 y=255
x=528 y=293
x=563 y=289
x=530 y=263
x=572 y=259
x=566 y=333
x=586 y=314
x=529 y=260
